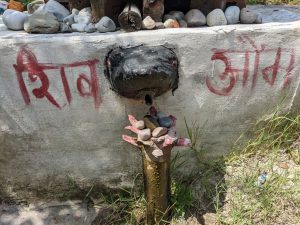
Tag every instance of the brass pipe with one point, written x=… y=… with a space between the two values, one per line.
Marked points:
x=157 y=185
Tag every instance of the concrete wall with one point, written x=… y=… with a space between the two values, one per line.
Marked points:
x=50 y=133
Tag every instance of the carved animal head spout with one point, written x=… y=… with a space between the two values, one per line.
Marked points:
x=142 y=72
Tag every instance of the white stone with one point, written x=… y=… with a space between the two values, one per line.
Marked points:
x=85 y=12
x=14 y=20
x=82 y=19
x=232 y=14
x=106 y=25
x=90 y=28
x=195 y=18
x=148 y=23
x=42 y=22
x=170 y=23
x=69 y=19
x=247 y=16
x=75 y=11
x=56 y=8
x=216 y=18
x=144 y=135
x=79 y=27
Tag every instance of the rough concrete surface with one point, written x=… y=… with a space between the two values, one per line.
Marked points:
x=64 y=121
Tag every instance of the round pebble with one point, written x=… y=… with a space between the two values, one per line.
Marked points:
x=247 y=16
x=170 y=23
x=216 y=18
x=139 y=125
x=195 y=18
x=182 y=23
x=148 y=23
x=106 y=25
x=232 y=14
x=144 y=135
x=165 y=122
x=159 y=131
x=14 y=20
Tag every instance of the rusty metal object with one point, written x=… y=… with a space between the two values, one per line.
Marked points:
x=130 y=18
x=136 y=72
x=156 y=154
x=154 y=8
x=157 y=182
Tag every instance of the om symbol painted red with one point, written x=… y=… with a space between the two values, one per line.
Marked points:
x=232 y=74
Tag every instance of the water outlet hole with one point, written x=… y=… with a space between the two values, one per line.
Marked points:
x=148 y=100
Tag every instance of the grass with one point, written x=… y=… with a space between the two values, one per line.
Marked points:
x=274 y=150
x=272 y=133
x=276 y=202
x=227 y=187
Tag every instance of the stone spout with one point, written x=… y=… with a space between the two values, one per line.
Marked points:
x=142 y=72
